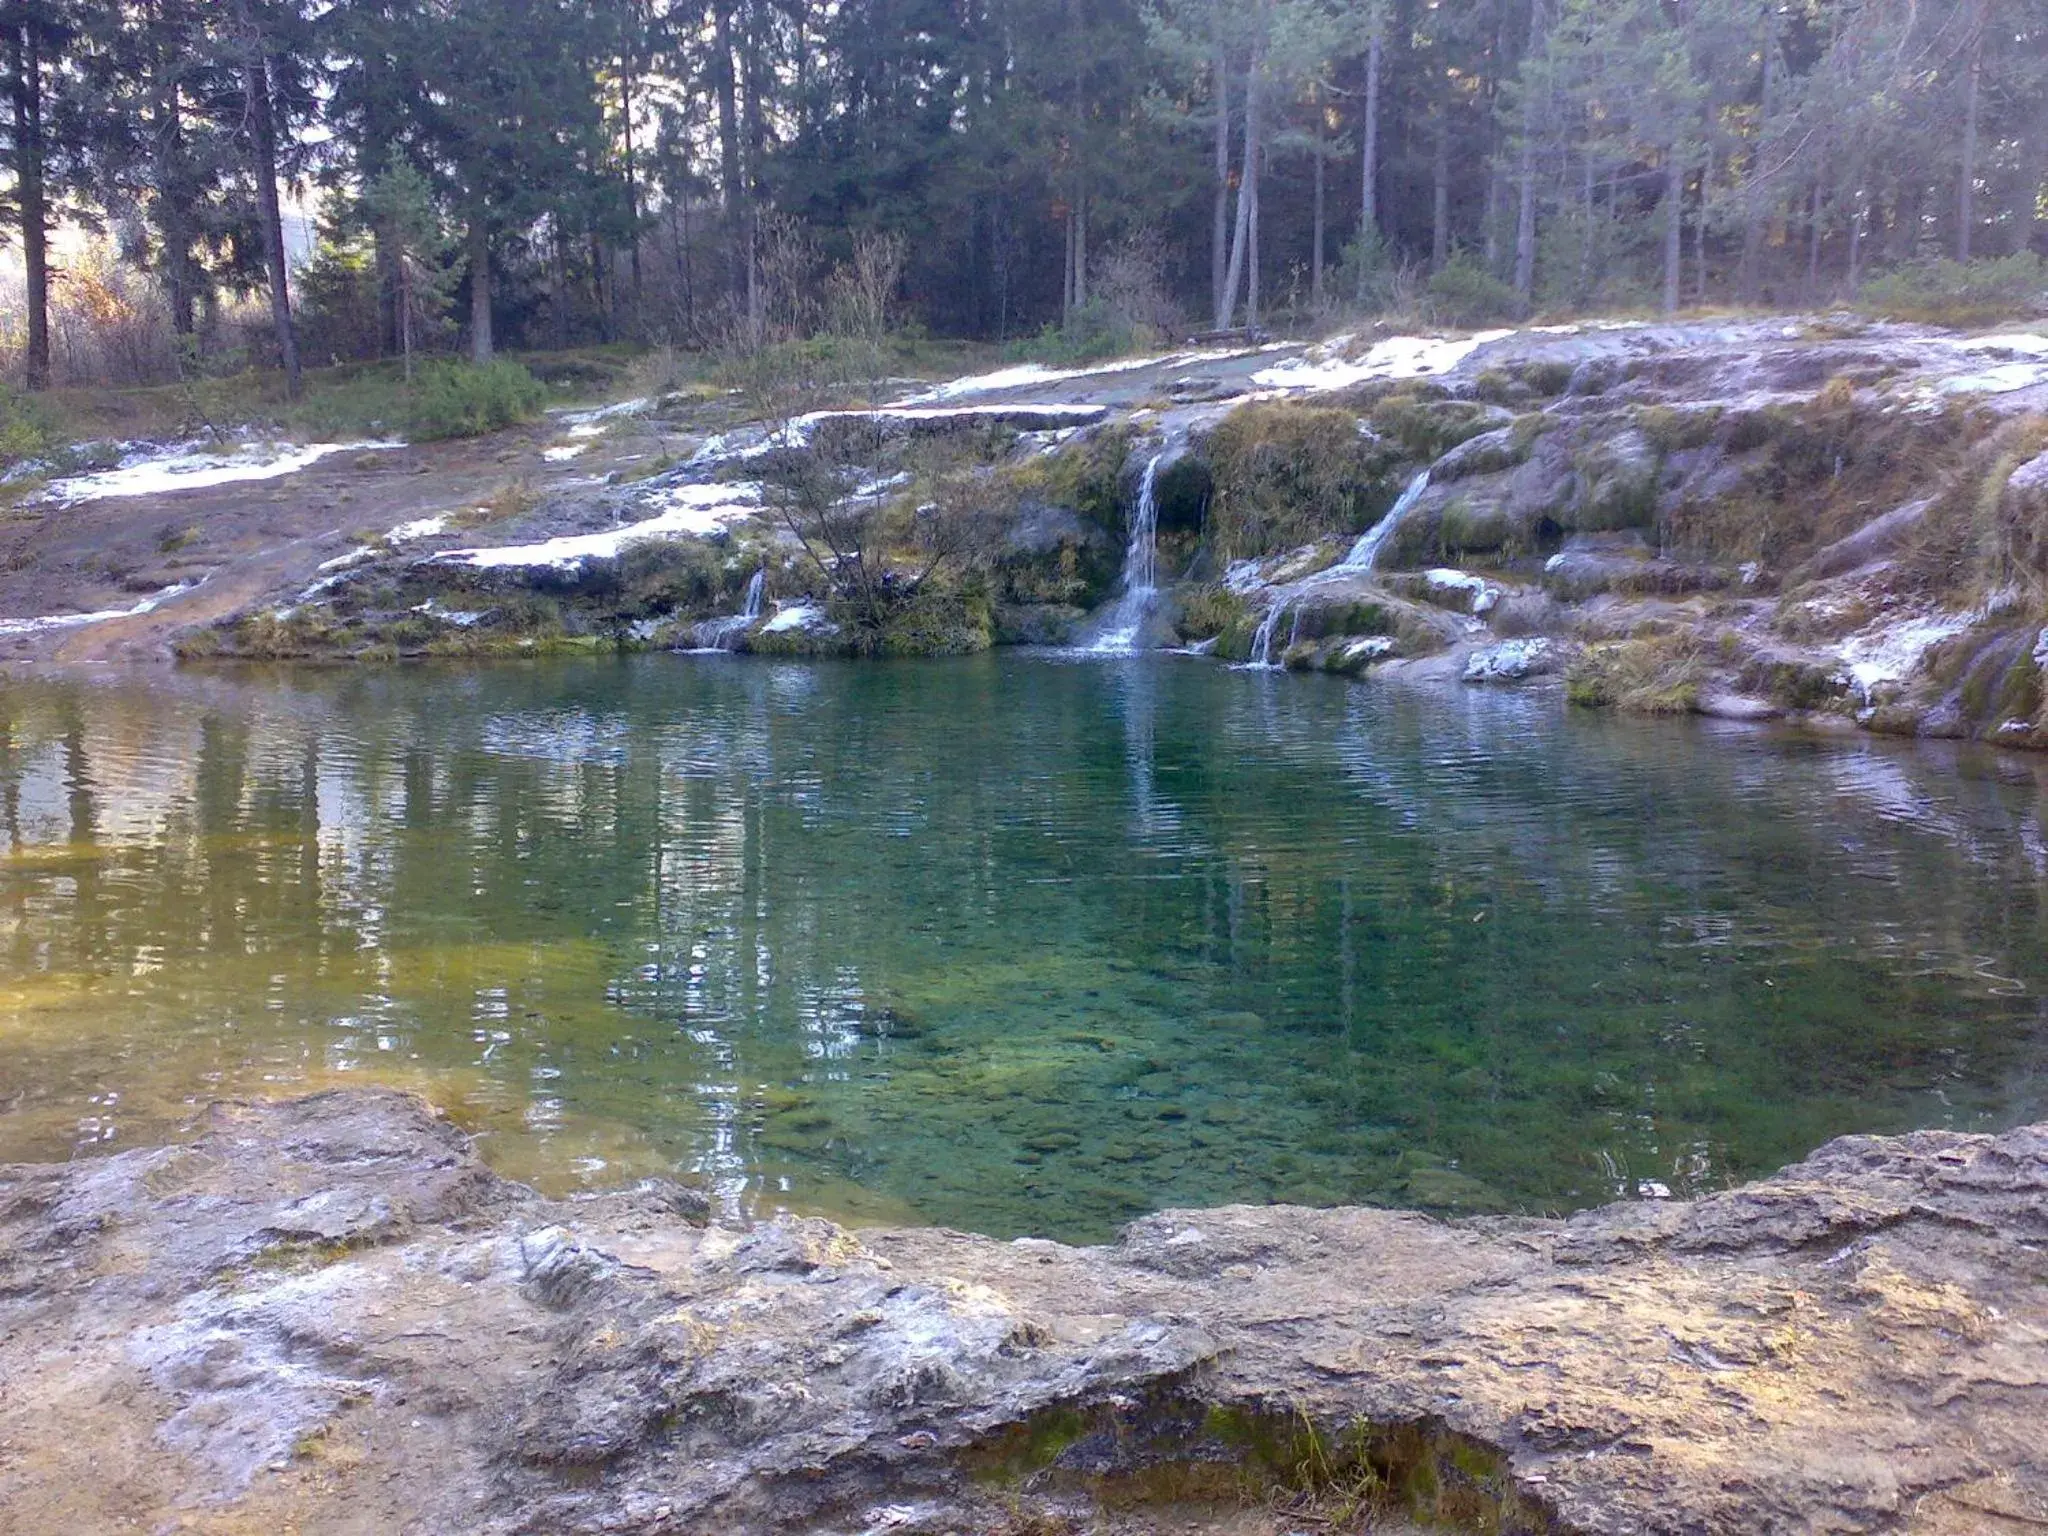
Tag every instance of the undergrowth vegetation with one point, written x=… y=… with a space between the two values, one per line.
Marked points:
x=1286 y=474
x=1947 y=292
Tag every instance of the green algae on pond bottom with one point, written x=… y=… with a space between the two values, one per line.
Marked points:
x=1013 y=943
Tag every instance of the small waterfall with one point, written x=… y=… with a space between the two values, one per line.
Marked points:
x=723 y=634
x=1366 y=552
x=1122 y=625
x=1262 y=638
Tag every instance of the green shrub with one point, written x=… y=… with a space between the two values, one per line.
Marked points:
x=1463 y=292
x=27 y=429
x=454 y=399
x=1092 y=334
x=1207 y=612
x=1958 y=293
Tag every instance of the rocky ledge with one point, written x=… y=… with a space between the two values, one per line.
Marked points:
x=328 y=1315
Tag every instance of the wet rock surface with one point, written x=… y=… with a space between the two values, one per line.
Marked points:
x=328 y=1315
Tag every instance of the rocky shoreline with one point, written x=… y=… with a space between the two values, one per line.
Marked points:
x=328 y=1315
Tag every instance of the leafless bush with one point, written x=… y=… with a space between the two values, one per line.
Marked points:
x=860 y=295
x=1130 y=284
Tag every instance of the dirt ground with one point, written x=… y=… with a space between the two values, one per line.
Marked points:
x=239 y=544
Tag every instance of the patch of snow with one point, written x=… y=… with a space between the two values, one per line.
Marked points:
x=419 y=528
x=588 y=424
x=1078 y=413
x=881 y=485
x=1888 y=653
x=1370 y=647
x=2024 y=342
x=2003 y=379
x=10 y=628
x=1398 y=357
x=1484 y=594
x=1511 y=660
x=564 y=453
x=343 y=562
x=461 y=618
x=689 y=511
x=191 y=467
x=1036 y=375
x=796 y=616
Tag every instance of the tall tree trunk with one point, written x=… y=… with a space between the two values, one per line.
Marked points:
x=1440 y=198
x=263 y=136
x=1674 y=226
x=1247 y=183
x=1369 y=158
x=558 y=283
x=1966 y=186
x=31 y=197
x=1748 y=277
x=1858 y=213
x=1700 y=230
x=1589 y=238
x=632 y=182
x=1256 y=173
x=1525 y=212
x=173 y=195
x=1219 y=218
x=1815 y=213
x=1315 y=286
x=1081 y=248
x=725 y=86
x=481 y=342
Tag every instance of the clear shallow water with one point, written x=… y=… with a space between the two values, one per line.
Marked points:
x=1011 y=943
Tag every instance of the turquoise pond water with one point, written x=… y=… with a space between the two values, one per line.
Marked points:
x=1014 y=943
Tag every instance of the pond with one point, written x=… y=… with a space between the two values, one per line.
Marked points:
x=1016 y=943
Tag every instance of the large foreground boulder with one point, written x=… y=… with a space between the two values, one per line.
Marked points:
x=328 y=1316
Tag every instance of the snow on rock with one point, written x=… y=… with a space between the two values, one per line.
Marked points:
x=2001 y=379
x=461 y=618
x=1512 y=660
x=797 y=616
x=590 y=423
x=192 y=467
x=1475 y=594
x=1036 y=375
x=1889 y=653
x=418 y=528
x=688 y=511
x=1398 y=357
x=11 y=628
x=1366 y=648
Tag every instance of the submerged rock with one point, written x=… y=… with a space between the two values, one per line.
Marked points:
x=327 y=1315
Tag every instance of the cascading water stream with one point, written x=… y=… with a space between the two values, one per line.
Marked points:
x=1262 y=638
x=1366 y=552
x=1122 y=626
x=723 y=634
x=1363 y=556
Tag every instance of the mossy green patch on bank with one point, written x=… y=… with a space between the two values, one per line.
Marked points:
x=1288 y=474
x=1172 y=1449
